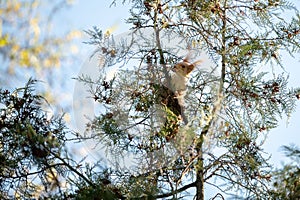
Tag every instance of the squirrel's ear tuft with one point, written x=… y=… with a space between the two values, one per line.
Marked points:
x=191 y=67
x=186 y=59
x=197 y=62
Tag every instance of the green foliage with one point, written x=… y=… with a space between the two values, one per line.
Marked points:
x=286 y=183
x=96 y=194
x=99 y=186
x=29 y=140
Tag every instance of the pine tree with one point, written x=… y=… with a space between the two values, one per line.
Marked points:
x=230 y=111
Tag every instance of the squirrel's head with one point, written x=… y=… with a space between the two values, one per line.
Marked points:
x=184 y=68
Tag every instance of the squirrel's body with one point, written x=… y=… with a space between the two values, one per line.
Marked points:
x=178 y=85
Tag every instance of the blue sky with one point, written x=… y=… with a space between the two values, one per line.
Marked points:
x=82 y=15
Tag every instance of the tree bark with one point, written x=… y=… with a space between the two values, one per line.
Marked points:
x=199 y=170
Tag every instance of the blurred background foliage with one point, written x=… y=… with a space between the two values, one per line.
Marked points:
x=31 y=44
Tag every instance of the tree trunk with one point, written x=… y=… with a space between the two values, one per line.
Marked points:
x=199 y=171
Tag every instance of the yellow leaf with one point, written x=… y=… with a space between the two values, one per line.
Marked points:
x=15 y=48
x=55 y=61
x=17 y=6
x=17 y=195
x=74 y=34
x=37 y=49
x=67 y=117
x=0 y=25
x=24 y=58
x=52 y=61
x=51 y=174
x=50 y=98
x=194 y=43
x=227 y=124
x=166 y=24
x=4 y=41
x=74 y=49
x=110 y=30
x=47 y=62
x=34 y=23
x=35 y=4
x=70 y=2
